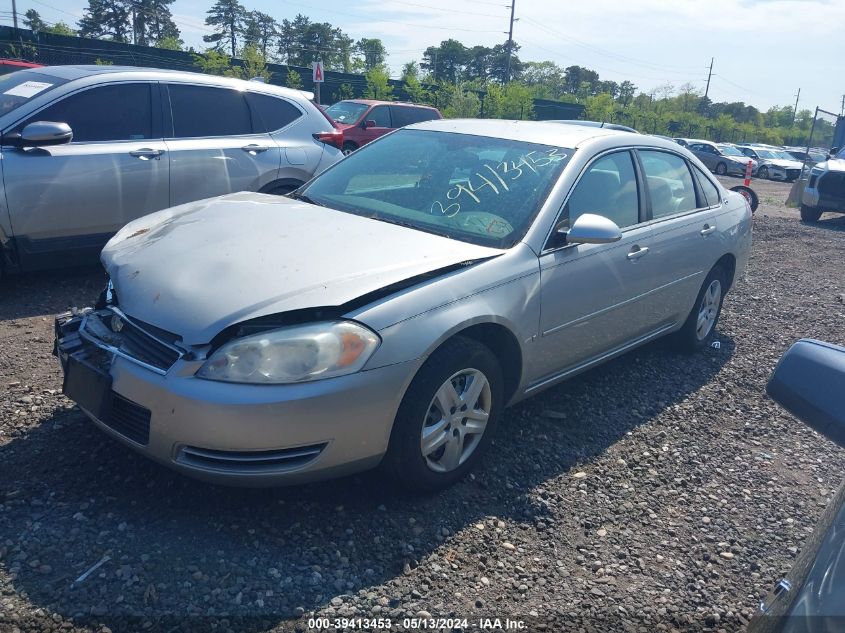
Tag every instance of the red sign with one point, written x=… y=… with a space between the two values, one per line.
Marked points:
x=317 y=72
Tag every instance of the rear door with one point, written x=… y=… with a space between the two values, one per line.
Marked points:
x=685 y=240
x=213 y=144
x=65 y=201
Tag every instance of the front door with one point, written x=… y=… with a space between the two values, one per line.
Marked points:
x=380 y=115
x=65 y=201
x=595 y=297
x=213 y=146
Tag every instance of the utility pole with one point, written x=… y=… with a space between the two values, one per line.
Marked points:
x=842 y=109
x=510 y=43
x=709 y=74
x=795 y=109
x=15 y=14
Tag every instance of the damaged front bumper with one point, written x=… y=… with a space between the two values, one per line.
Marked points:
x=138 y=385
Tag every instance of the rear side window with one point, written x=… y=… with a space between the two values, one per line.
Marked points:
x=271 y=113
x=406 y=115
x=204 y=111
x=119 y=112
x=711 y=192
x=669 y=183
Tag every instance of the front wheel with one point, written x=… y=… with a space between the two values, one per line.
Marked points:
x=810 y=214
x=447 y=417
x=700 y=325
x=721 y=169
x=348 y=148
x=763 y=173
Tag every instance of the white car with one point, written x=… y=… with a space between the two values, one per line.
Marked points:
x=774 y=164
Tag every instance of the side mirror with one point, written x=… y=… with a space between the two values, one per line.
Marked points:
x=808 y=382
x=369 y=123
x=44 y=133
x=590 y=228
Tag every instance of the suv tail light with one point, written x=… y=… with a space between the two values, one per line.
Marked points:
x=333 y=138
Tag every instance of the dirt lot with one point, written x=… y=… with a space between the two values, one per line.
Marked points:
x=658 y=492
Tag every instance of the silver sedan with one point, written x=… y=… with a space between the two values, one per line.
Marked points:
x=386 y=312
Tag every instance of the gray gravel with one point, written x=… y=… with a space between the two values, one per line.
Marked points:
x=658 y=492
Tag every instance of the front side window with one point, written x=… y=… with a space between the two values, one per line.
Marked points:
x=608 y=188
x=381 y=115
x=201 y=111
x=476 y=189
x=119 y=112
x=669 y=183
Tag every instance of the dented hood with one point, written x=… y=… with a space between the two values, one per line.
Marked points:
x=198 y=268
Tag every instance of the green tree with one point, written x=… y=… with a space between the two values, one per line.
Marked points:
x=151 y=21
x=462 y=104
x=378 y=84
x=599 y=107
x=32 y=20
x=170 y=43
x=106 y=18
x=253 y=64
x=213 y=62
x=293 y=79
x=346 y=91
x=445 y=62
x=60 y=28
x=260 y=30
x=372 y=52
x=627 y=90
x=227 y=17
x=414 y=89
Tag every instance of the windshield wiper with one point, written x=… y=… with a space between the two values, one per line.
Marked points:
x=295 y=195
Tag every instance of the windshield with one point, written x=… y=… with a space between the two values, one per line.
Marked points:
x=472 y=188
x=730 y=150
x=346 y=111
x=19 y=87
x=841 y=153
x=765 y=153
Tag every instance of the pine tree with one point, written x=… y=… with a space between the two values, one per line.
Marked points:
x=32 y=20
x=106 y=18
x=227 y=17
x=152 y=21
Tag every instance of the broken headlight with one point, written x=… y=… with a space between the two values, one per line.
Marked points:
x=297 y=353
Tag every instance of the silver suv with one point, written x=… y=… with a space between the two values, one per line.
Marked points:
x=86 y=149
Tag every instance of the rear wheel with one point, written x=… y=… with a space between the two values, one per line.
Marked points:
x=763 y=173
x=721 y=169
x=698 y=329
x=447 y=417
x=810 y=214
x=348 y=148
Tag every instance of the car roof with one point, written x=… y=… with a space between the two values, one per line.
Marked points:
x=542 y=132
x=71 y=73
x=399 y=103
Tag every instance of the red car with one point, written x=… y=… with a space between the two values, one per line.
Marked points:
x=364 y=120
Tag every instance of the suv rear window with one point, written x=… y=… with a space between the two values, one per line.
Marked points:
x=200 y=111
x=271 y=113
x=406 y=115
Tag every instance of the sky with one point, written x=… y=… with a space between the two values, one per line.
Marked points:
x=764 y=50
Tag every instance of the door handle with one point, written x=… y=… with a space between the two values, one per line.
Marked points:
x=255 y=149
x=707 y=230
x=146 y=153
x=637 y=252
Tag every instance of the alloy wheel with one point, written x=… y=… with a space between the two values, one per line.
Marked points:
x=709 y=309
x=456 y=420
x=764 y=173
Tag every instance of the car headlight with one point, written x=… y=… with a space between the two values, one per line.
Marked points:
x=297 y=353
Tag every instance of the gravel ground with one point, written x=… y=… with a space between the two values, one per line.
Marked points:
x=658 y=492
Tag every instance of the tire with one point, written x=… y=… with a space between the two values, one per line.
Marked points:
x=763 y=173
x=348 y=148
x=455 y=451
x=721 y=169
x=690 y=338
x=810 y=214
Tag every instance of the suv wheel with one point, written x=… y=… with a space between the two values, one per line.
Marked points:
x=721 y=169
x=447 y=417
x=810 y=214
